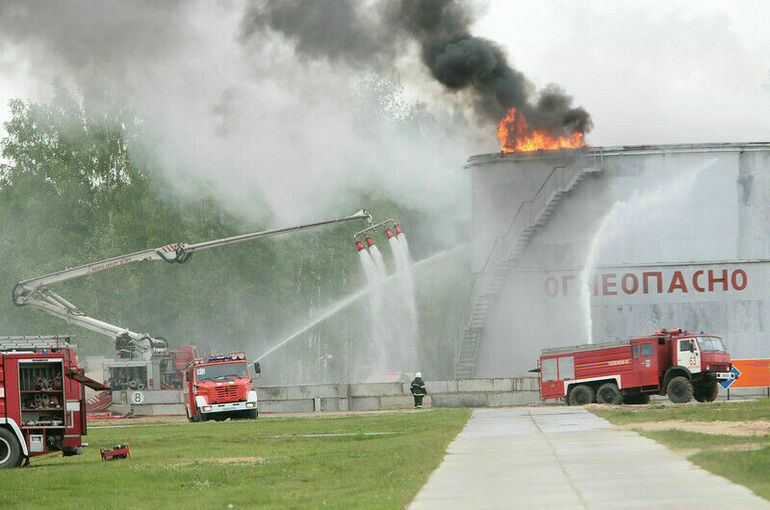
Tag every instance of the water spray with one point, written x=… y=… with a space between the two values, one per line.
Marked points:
x=347 y=301
x=640 y=205
x=395 y=341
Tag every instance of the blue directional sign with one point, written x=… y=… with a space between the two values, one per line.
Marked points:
x=726 y=384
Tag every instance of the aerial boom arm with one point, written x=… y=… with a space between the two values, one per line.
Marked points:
x=360 y=215
x=35 y=292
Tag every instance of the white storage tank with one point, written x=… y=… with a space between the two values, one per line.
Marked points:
x=645 y=237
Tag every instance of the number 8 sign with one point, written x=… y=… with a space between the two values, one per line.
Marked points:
x=137 y=397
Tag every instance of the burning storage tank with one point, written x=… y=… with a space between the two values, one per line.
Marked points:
x=602 y=243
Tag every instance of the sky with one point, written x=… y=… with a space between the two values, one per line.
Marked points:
x=262 y=122
x=648 y=72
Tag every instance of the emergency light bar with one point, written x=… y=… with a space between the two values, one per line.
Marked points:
x=229 y=357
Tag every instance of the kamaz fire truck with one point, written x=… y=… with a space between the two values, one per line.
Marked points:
x=144 y=359
x=42 y=398
x=676 y=363
x=219 y=387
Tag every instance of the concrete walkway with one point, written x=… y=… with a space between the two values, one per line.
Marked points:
x=566 y=457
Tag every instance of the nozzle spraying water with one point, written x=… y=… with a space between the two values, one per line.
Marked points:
x=389 y=233
x=369 y=242
x=360 y=246
x=397 y=228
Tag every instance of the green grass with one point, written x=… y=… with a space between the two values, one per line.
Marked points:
x=724 y=455
x=749 y=468
x=715 y=411
x=176 y=464
x=683 y=440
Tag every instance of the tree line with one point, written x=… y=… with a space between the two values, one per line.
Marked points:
x=80 y=184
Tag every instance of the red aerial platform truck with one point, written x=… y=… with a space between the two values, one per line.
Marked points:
x=219 y=387
x=146 y=361
x=42 y=398
x=676 y=363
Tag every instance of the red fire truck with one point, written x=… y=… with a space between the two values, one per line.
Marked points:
x=42 y=398
x=219 y=387
x=676 y=363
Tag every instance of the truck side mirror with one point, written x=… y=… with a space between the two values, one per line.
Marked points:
x=187 y=376
x=257 y=368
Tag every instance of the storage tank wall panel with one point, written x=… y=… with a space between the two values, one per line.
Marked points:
x=689 y=247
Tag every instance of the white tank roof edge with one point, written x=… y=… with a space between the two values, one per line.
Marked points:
x=591 y=152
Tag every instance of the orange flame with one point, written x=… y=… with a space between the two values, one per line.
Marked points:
x=515 y=135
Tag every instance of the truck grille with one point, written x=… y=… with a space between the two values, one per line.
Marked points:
x=226 y=393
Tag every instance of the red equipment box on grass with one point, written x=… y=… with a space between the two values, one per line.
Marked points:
x=676 y=363
x=42 y=398
x=119 y=451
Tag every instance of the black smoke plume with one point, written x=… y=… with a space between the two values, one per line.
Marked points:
x=361 y=34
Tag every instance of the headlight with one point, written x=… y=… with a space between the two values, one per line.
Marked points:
x=251 y=404
x=206 y=409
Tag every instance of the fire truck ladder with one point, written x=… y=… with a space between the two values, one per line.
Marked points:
x=504 y=255
x=32 y=343
x=36 y=293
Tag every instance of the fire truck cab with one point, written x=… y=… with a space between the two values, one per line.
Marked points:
x=676 y=363
x=219 y=387
x=42 y=398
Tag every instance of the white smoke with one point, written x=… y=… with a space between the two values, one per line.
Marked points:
x=266 y=130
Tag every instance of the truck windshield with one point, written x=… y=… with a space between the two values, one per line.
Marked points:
x=710 y=343
x=221 y=371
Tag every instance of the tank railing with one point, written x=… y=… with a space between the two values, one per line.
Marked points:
x=482 y=278
x=524 y=218
x=531 y=209
x=503 y=246
x=477 y=285
x=465 y=315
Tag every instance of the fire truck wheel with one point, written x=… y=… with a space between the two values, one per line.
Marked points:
x=252 y=414
x=609 y=393
x=10 y=450
x=679 y=390
x=707 y=392
x=581 y=395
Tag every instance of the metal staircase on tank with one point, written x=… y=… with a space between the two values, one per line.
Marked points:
x=505 y=252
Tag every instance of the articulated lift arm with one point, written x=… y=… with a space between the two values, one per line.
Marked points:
x=36 y=292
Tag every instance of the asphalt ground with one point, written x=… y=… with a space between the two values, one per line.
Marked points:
x=566 y=457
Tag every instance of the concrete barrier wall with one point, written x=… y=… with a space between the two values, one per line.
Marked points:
x=379 y=396
x=150 y=403
x=375 y=396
